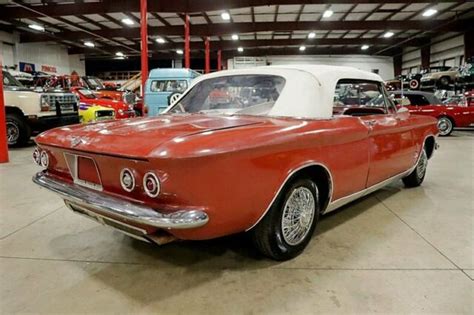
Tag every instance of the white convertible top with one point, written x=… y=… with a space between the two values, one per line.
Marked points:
x=309 y=89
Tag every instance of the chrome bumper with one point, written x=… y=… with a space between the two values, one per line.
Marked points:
x=116 y=207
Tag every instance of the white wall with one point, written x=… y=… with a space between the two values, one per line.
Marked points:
x=362 y=62
x=48 y=54
x=447 y=49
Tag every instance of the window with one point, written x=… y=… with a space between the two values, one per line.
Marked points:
x=232 y=95
x=417 y=99
x=9 y=80
x=169 y=85
x=359 y=97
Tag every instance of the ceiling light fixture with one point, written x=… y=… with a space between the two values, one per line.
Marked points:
x=312 y=35
x=128 y=21
x=430 y=12
x=235 y=37
x=388 y=34
x=119 y=54
x=36 y=27
x=327 y=13
x=225 y=16
x=302 y=48
x=240 y=49
x=160 y=40
x=89 y=44
x=179 y=51
x=364 y=47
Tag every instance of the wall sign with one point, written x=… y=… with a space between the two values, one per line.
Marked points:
x=47 y=68
x=27 y=67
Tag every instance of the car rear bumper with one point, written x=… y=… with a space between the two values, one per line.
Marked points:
x=78 y=197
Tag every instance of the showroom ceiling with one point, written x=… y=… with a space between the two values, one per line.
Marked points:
x=328 y=27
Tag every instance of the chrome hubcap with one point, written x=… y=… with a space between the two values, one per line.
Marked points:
x=421 y=167
x=444 y=126
x=298 y=215
x=13 y=133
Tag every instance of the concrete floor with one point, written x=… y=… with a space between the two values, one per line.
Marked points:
x=395 y=251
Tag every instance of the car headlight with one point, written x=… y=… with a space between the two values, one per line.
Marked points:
x=44 y=159
x=120 y=111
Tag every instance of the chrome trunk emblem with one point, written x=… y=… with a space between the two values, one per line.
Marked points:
x=75 y=141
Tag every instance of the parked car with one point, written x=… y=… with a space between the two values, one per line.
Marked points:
x=439 y=79
x=94 y=113
x=97 y=85
x=29 y=112
x=88 y=97
x=164 y=86
x=262 y=163
x=449 y=116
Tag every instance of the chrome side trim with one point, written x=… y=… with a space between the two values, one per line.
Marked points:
x=286 y=180
x=106 y=206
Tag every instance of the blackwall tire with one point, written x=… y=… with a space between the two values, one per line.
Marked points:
x=444 y=81
x=417 y=176
x=445 y=126
x=287 y=228
x=18 y=131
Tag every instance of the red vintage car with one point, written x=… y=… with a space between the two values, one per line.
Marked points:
x=268 y=162
x=108 y=91
x=449 y=116
x=88 y=97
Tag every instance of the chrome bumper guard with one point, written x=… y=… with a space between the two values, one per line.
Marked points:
x=116 y=207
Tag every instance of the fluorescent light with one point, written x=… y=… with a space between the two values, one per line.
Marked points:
x=179 y=51
x=388 y=34
x=160 y=40
x=36 y=27
x=225 y=16
x=430 y=12
x=327 y=13
x=302 y=48
x=89 y=44
x=119 y=54
x=235 y=37
x=240 y=49
x=128 y=21
x=312 y=35
x=364 y=47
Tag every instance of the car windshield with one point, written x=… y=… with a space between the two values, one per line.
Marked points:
x=235 y=94
x=9 y=80
x=94 y=83
x=87 y=93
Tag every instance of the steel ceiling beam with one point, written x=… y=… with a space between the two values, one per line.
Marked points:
x=182 y=6
x=239 y=28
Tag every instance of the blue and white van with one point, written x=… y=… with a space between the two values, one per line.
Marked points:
x=165 y=85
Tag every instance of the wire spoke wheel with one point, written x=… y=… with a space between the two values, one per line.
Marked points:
x=422 y=164
x=298 y=215
x=13 y=132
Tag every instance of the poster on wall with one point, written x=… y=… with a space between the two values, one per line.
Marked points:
x=49 y=69
x=27 y=67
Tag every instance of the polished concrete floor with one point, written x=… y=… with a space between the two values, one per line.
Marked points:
x=395 y=251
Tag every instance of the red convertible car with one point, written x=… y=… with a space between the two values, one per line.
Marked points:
x=449 y=116
x=304 y=141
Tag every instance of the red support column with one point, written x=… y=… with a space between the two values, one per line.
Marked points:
x=207 y=68
x=3 y=129
x=144 y=42
x=219 y=60
x=187 y=52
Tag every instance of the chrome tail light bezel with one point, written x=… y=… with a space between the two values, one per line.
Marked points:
x=151 y=192
x=44 y=159
x=132 y=176
x=37 y=156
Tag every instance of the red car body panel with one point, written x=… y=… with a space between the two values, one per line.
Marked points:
x=233 y=167
x=462 y=116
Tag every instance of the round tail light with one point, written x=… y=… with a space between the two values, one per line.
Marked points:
x=37 y=156
x=44 y=159
x=151 y=184
x=127 y=180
